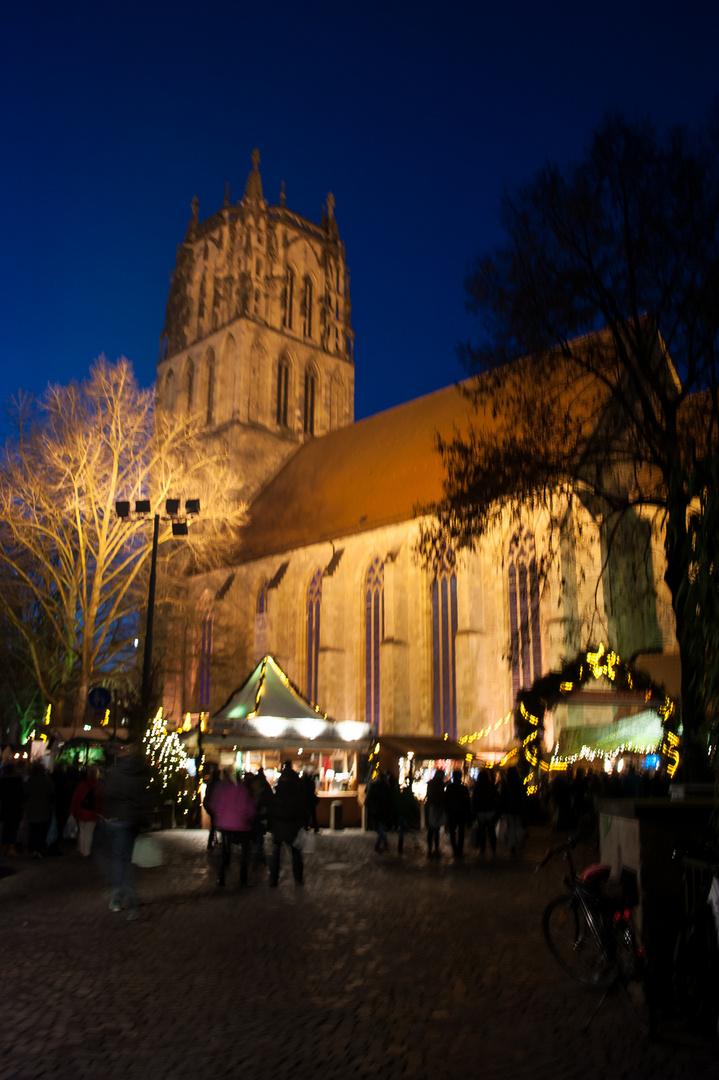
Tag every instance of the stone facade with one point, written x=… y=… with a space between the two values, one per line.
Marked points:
x=258 y=338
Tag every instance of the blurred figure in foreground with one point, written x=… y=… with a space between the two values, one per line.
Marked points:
x=288 y=814
x=125 y=808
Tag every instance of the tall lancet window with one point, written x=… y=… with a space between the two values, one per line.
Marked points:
x=283 y=387
x=444 y=634
x=309 y=402
x=170 y=391
x=205 y=660
x=525 y=639
x=190 y=385
x=289 y=298
x=374 y=632
x=210 y=387
x=314 y=603
x=307 y=307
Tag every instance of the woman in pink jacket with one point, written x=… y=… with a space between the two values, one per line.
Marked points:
x=233 y=813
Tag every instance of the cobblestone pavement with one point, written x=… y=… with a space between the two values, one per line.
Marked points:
x=380 y=966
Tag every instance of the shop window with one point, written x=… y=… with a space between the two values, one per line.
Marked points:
x=444 y=634
x=374 y=632
x=525 y=639
x=314 y=602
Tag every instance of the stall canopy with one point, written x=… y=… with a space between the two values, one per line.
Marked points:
x=424 y=747
x=268 y=711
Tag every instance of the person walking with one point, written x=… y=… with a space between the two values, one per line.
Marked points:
x=85 y=806
x=379 y=808
x=484 y=811
x=288 y=813
x=125 y=807
x=459 y=811
x=436 y=813
x=39 y=806
x=233 y=812
x=407 y=811
x=11 y=801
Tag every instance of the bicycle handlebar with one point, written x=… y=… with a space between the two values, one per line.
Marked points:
x=564 y=850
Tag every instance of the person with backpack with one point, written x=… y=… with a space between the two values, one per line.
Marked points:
x=85 y=806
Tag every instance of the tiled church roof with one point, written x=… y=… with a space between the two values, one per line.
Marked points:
x=375 y=472
x=386 y=469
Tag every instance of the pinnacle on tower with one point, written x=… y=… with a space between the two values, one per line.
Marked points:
x=253 y=187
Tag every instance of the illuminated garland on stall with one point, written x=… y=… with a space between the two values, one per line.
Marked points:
x=533 y=704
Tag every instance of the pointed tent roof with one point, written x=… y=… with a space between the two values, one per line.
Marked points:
x=268 y=711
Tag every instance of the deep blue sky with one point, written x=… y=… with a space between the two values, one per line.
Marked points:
x=415 y=115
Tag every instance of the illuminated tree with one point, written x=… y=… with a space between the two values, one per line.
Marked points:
x=65 y=555
x=597 y=364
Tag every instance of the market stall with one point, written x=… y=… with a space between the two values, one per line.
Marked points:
x=268 y=721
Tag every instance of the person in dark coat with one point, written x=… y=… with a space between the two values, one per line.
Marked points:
x=484 y=811
x=126 y=804
x=380 y=809
x=310 y=784
x=287 y=816
x=436 y=813
x=63 y=794
x=459 y=811
x=39 y=808
x=12 y=794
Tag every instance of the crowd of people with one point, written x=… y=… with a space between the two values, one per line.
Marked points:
x=103 y=814
x=495 y=800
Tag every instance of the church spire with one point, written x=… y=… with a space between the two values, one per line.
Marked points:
x=253 y=187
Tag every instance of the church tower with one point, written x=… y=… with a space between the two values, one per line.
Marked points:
x=258 y=339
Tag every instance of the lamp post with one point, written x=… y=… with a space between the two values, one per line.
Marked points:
x=179 y=528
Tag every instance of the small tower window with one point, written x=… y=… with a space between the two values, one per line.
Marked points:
x=283 y=385
x=309 y=403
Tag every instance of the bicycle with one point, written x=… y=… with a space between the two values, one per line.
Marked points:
x=695 y=969
x=590 y=933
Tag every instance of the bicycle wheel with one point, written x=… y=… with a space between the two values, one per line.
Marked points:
x=574 y=945
x=632 y=976
x=694 y=975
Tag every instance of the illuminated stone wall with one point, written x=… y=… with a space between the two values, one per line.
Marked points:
x=258 y=338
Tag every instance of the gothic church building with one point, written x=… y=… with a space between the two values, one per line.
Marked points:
x=258 y=336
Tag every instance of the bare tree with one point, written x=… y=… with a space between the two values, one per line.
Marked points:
x=75 y=452
x=597 y=360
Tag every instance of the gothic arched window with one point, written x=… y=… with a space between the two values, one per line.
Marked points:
x=205 y=660
x=283 y=386
x=314 y=602
x=309 y=402
x=289 y=298
x=210 y=387
x=444 y=633
x=170 y=391
x=374 y=632
x=525 y=640
x=307 y=307
x=190 y=385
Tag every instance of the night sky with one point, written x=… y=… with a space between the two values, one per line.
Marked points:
x=415 y=116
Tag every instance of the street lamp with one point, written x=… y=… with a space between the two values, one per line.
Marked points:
x=179 y=528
